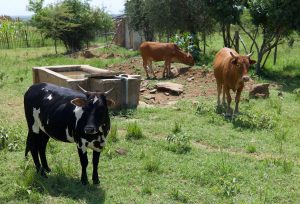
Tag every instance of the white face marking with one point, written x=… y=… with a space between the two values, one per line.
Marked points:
x=49 y=97
x=69 y=138
x=48 y=121
x=95 y=100
x=78 y=113
x=37 y=125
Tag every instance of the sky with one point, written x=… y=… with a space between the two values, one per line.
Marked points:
x=18 y=7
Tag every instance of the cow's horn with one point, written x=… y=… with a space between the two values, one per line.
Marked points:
x=82 y=90
x=249 y=55
x=233 y=55
x=108 y=92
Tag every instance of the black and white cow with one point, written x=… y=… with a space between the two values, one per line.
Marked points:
x=69 y=116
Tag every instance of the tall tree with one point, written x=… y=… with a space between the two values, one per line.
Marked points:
x=73 y=22
x=275 y=19
x=138 y=18
x=226 y=12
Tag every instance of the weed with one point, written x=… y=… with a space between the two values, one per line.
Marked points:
x=297 y=93
x=146 y=190
x=276 y=104
x=176 y=128
x=280 y=137
x=152 y=164
x=3 y=138
x=251 y=149
x=113 y=134
x=204 y=108
x=178 y=196
x=179 y=143
x=134 y=132
x=287 y=166
x=230 y=187
x=254 y=120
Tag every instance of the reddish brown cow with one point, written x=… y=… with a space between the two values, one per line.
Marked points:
x=231 y=71
x=168 y=52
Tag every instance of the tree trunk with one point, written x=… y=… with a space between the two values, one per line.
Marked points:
x=224 y=36
x=55 y=46
x=204 y=43
x=228 y=38
x=237 y=42
x=258 y=63
x=7 y=40
x=275 y=55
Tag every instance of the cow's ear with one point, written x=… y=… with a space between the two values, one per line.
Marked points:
x=79 y=102
x=234 y=61
x=110 y=102
x=252 y=61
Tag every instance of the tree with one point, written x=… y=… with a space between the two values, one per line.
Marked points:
x=136 y=13
x=226 y=12
x=275 y=19
x=72 y=21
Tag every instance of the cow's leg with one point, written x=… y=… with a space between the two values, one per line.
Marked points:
x=150 y=66
x=227 y=91
x=42 y=151
x=237 y=99
x=165 y=69
x=223 y=98
x=145 y=67
x=33 y=145
x=84 y=163
x=96 y=156
x=219 y=88
x=169 y=69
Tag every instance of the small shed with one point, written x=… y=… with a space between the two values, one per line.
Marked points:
x=124 y=36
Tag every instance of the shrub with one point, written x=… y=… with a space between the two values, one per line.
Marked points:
x=134 y=132
x=72 y=21
x=189 y=43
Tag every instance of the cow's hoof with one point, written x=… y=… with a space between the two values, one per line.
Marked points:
x=96 y=182
x=43 y=174
x=84 y=182
x=47 y=169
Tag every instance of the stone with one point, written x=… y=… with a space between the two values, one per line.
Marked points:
x=190 y=79
x=153 y=91
x=121 y=151
x=143 y=90
x=143 y=104
x=174 y=72
x=259 y=91
x=167 y=94
x=88 y=54
x=173 y=88
x=149 y=97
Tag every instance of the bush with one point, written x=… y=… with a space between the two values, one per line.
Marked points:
x=134 y=132
x=188 y=43
x=72 y=21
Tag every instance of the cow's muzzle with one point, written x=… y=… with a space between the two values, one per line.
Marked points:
x=90 y=130
x=245 y=78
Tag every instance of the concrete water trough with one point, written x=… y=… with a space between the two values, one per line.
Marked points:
x=126 y=87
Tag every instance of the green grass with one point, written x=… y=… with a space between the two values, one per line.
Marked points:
x=251 y=158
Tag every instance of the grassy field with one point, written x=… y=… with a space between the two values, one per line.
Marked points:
x=182 y=154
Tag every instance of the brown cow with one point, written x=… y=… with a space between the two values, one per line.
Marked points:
x=168 y=52
x=231 y=71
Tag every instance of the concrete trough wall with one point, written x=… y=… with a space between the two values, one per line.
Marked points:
x=126 y=88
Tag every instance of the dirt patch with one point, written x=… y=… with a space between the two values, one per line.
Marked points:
x=196 y=81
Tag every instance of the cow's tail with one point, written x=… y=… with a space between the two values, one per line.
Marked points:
x=28 y=145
